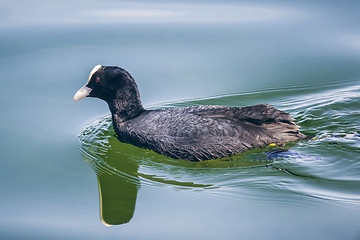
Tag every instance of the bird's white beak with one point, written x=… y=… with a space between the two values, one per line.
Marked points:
x=81 y=93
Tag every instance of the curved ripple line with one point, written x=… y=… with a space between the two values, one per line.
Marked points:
x=321 y=168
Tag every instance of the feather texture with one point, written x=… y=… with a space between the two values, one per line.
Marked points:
x=208 y=132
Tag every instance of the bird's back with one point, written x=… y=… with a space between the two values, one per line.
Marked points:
x=208 y=132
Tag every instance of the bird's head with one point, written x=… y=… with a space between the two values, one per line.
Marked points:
x=105 y=82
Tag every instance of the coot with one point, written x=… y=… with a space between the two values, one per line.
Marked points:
x=192 y=133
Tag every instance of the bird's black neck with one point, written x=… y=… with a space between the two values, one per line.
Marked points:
x=126 y=105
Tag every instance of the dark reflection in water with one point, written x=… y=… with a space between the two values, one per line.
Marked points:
x=117 y=196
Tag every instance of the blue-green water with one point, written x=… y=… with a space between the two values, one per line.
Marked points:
x=64 y=176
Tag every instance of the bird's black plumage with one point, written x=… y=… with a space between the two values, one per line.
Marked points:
x=192 y=133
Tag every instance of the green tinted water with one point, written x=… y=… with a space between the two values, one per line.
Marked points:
x=65 y=176
x=297 y=168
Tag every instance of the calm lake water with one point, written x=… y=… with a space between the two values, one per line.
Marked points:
x=65 y=176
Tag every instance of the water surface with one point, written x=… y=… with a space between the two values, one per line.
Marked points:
x=64 y=174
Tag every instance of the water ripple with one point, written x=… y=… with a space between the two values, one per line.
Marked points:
x=326 y=167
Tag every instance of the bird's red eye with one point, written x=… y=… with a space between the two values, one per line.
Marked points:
x=97 y=80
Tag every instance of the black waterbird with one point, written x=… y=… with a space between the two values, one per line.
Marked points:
x=192 y=133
